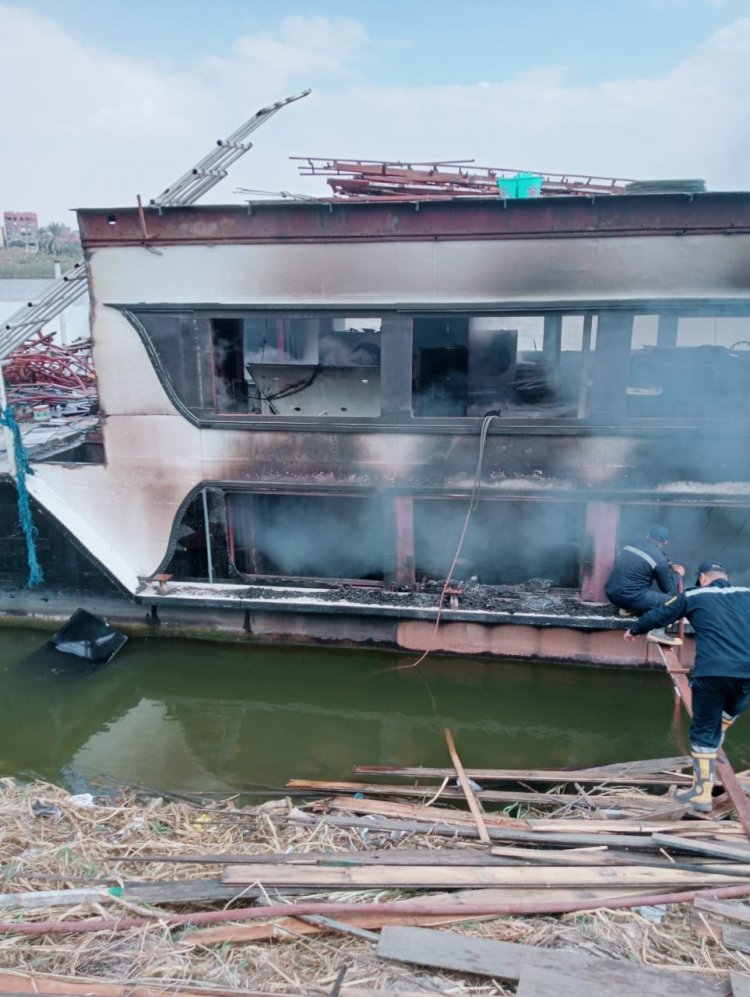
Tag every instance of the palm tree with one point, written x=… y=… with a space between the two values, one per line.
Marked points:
x=50 y=238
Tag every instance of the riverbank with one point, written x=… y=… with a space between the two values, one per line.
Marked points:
x=117 y=888
x=18 y=264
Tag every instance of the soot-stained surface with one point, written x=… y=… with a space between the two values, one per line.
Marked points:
x=531 y=597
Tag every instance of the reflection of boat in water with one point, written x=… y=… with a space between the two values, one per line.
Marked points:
x=159 y=716
x=298 y=393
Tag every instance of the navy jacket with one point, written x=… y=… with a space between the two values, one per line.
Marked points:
x=636 y=566
x=720 y=616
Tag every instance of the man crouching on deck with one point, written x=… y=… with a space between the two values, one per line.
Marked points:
x=720 y=681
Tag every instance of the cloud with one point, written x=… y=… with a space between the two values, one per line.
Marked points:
x=91 y=128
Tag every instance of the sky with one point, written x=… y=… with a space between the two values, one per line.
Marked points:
x=103 y=101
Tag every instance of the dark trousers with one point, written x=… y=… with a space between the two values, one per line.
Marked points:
x=641 y=603
x=712 y=695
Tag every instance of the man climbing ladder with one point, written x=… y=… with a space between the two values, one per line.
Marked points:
x=719 y=613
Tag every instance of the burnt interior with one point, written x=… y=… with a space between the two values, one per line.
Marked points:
x=241 y=366
x=379 y=543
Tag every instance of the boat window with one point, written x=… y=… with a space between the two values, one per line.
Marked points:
x=527 y=366
x=695 y=529
x=506 y=543
x=605 y=368
x=306 y=537
x=278 y=365
x=689 y=366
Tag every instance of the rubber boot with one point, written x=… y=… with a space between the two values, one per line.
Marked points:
x=698 y=796
x=726 y=722
x=660 y=636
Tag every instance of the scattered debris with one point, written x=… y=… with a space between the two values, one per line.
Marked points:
x=593 y=874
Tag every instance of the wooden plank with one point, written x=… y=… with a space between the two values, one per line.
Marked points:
x=29 y=899
x=466 y=787
x=737 y=853
x=425 y=814
x=507 y=961
x=736 y=938
x=621 y=980
x=644 y=766
x=157 y=892
x=604 y=856
x=740 y=984
x=735 y=912
x=263 y=932
x=728 y=829
x=553 y=776
x=639 y=842
x=181 y=891
x=452 y=877
x=388 y=808
x=289 y=927
x=599 y=800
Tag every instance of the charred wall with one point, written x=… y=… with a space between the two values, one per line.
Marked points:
x=67 y=568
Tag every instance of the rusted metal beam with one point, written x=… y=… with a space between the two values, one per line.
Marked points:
x=602 y=519
x=403 y=510
x=447 y=218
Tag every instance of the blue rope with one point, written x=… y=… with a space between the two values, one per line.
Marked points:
x=24 y=468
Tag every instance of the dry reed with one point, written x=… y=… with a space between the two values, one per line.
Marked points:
x=49 y=842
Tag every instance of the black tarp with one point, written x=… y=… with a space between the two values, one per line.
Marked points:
x=87 y=636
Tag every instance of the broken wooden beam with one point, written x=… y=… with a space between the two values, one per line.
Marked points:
x=471 y=799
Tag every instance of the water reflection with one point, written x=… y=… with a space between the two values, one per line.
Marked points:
x=183 y=715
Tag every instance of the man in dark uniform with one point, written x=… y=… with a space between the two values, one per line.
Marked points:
x=637 y=566
x=719 y=613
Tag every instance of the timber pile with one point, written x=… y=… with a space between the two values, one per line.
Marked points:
x=404 y=881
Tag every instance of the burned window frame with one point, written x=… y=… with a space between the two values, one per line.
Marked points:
x=366 y=502
x=602 y=385
x=394 y=552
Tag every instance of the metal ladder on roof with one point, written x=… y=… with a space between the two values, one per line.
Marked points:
x=215 y=166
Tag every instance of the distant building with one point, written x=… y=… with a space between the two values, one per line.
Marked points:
x=21 y=229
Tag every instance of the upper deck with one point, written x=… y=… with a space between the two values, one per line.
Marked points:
x=377 y=219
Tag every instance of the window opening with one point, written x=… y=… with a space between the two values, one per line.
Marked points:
x=507 y=543
x=696 y=366
x=514 y=366
x=297 y=366
x=299 y=536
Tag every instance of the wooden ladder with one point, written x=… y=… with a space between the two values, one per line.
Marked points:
x=724 y=770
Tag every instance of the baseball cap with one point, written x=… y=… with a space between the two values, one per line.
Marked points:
x=706 y=566
x=660 y=533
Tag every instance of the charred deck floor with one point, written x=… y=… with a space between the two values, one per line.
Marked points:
x=510 y=622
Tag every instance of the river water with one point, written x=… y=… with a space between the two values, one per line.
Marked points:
x=178 y=715
x=16 y=293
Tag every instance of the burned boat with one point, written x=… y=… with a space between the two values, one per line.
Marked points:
x=314 y=412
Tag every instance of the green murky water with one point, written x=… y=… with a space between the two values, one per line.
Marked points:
x=183 y=715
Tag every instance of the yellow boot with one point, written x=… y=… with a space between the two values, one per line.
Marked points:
x=698 y=796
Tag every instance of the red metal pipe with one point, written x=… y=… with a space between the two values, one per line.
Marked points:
x=406 y=907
